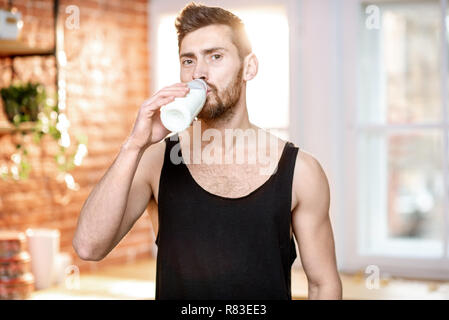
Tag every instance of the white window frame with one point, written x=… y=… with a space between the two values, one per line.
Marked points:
x=431 y=268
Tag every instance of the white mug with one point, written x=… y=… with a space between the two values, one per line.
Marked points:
x=43 y=246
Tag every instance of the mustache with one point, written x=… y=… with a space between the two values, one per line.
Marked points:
x=211 y=86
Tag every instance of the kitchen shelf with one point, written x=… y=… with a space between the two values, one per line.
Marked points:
x=6 y=127
x=16 y=48
x=12 y=48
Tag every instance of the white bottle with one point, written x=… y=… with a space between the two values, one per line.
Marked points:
x=179 y=114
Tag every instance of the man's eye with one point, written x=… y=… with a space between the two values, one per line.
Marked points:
x=216 y=56
x=186 y=62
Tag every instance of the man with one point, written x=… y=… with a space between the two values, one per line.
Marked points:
x=225 y=229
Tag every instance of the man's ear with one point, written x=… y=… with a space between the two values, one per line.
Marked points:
x=251 y=65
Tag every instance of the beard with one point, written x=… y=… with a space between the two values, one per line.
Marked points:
x=220 y=105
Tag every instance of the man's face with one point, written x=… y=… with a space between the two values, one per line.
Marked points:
x=209 y=54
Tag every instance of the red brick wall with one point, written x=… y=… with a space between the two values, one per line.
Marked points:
x=107 y=76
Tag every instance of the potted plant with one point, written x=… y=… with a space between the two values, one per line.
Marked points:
x=22 y=103
x=28 y=103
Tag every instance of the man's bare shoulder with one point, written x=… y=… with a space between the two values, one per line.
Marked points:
x=309 y=179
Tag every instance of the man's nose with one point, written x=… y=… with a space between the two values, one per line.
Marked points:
x=200 y=71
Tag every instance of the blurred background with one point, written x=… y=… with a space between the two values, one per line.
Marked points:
x=361 y=85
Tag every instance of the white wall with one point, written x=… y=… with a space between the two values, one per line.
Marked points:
x=322 y=108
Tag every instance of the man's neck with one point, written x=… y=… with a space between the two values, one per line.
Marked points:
x=233 y=135
x=236 y=119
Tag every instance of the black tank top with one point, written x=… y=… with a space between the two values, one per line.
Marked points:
x=212 y=247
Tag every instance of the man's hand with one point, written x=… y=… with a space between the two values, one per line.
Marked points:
x=148 y=128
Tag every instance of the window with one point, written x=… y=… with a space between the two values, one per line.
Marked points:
x=402 y=131
x=270 y=42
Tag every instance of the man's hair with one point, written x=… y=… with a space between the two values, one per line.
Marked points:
x=195 y=16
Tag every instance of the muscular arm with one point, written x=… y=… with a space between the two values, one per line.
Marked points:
x=313 y=231
x=114 y=204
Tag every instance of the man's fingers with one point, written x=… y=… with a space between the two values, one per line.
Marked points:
x=173 y=91
x=176 y=86
x=177 y=93
x=183 y=84
x=161 y=102
x=164 y=94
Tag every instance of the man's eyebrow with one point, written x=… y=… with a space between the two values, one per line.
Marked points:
x=203 y=52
